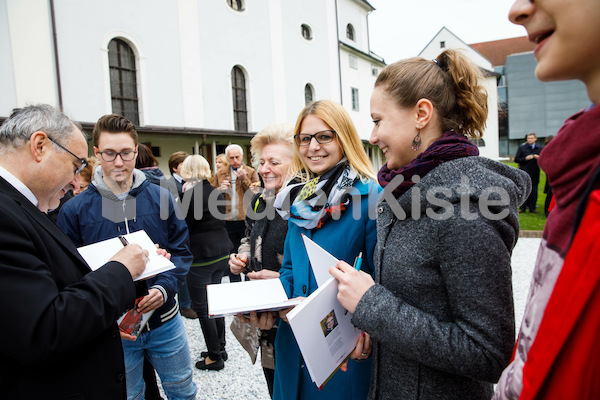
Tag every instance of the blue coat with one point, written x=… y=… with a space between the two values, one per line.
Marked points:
x=91 y=217
x=344 y=239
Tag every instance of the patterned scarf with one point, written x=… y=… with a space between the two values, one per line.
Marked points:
x=450 y=146
x=319 y=200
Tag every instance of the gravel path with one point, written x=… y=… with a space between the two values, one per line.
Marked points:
x=242 y=380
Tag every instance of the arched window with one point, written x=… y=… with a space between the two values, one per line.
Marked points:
x=350 y=32
x=123 y=80
x=306 y=32
x=309 y=93
x=237 y=5
x=240 y=111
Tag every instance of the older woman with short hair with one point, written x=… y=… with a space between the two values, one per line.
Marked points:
x=210 y=246
x=261 y=252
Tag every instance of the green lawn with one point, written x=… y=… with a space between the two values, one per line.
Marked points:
x=534 y=222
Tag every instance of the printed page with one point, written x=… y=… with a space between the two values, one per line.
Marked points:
x=246 y=296
x=132 y=322
x=324 y=332
x=98 y=254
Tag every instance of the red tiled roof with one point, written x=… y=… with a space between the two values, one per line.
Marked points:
x=497 y=50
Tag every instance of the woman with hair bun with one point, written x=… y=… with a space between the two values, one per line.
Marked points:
x=440 y=307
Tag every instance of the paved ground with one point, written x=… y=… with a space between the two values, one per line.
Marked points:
x=242 y=380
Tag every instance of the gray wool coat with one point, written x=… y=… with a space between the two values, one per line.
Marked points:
x=441 y=312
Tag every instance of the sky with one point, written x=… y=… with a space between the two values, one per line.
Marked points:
x=402 y=28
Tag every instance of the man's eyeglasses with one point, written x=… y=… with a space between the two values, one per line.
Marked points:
x=83 y=162
x=322 y=137
x=109 y=155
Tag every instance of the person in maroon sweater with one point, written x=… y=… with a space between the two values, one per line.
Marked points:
x=557 y=351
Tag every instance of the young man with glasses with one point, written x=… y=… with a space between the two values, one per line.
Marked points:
x=118 y=201
x=59 y=338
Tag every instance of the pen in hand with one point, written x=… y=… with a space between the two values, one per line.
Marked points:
x=358 y=262
x=357 y=265
x=123 y=240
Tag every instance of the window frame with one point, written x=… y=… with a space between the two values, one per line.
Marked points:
x=240 y=115
x=350 y=32
x=355 y=101
x=122 y=96
x=239 y=5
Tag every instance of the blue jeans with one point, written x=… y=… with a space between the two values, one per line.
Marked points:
x=167 y=349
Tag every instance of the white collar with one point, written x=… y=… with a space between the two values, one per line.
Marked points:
x=20 y=186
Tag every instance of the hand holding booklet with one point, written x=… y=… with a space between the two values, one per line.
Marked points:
x=98 y=254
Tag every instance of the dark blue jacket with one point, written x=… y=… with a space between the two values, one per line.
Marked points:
x=97 y=214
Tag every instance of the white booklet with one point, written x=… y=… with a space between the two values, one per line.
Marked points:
x=320 y=260
x=324 y=332
x=322 y=327
x=98 y=254
x=246 y=296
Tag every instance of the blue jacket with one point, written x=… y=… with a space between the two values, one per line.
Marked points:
x=344 y=239
x=97 y=214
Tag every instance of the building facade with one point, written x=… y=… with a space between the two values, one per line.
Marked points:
x=193 y=75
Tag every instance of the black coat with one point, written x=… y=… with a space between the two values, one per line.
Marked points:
x=59 y=338
x=208 y=235
x=529 y=166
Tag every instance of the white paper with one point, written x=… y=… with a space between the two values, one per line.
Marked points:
x=98 y=254
x=246 y=296
x=320 y=260
x=324 y=331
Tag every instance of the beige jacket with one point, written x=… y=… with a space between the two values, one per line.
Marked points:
x=241 y=186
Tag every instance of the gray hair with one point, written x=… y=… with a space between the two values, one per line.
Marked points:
x=23 y=122
x=233 y=146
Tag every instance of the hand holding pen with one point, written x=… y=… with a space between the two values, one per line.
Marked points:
x=352 y=283
x=133 y=257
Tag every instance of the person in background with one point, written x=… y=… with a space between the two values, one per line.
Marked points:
x=527 y=157
x=557 y=351
x=176 y=181
x=59 y=337
x=87 y=174
x=210 y=247
x=148 y=164
x=233 y=182
x=220 y=163
x=119 y=201
x=331 y=206
x=440 y=310
x=260 y=253
x=175 y=161
x=547 y=188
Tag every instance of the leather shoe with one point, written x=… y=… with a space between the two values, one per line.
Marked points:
x=533 y=211
x=521 y=211
x=224 y=355
x=215 y=366
x=188 y=313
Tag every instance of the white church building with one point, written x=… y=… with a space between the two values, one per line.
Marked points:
x=193 y=75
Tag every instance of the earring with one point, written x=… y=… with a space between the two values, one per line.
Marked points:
x=416 y=143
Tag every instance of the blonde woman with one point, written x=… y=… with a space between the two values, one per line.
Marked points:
x=331 y=206
x=210 y=246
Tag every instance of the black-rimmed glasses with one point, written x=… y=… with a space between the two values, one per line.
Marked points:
x=109 y=155
x=83 y=161
x=322 y=137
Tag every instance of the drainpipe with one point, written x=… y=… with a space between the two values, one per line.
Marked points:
x=56 y=64
x=337 y=32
